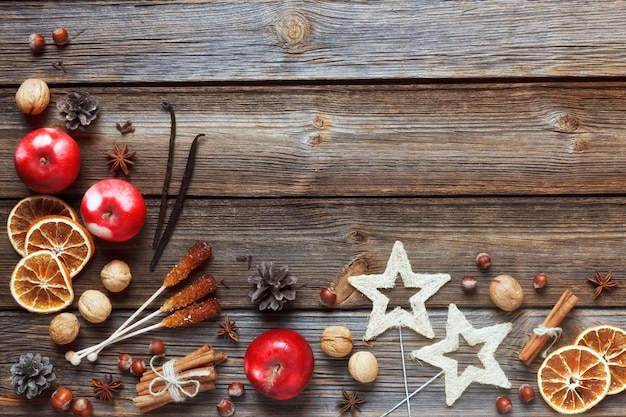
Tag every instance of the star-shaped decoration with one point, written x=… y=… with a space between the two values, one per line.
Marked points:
x=456 y=326
x=398 y=265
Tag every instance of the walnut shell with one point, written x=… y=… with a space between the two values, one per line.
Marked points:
x=506 y=292
x=33 y=96
x=363 y=366
x=64 y=328
x=116 y=276
x=94 y=306
x=336 y=341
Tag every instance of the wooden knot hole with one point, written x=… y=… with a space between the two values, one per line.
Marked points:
x=293 y=30
x=357 y=236
x=565 y=123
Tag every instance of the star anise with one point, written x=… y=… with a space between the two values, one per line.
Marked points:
x=121 y=158
x=105 y=388
x=602 y=282
x=228 y=329
x=350 y=403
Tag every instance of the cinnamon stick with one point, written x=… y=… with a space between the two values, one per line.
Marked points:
x=143 y=388
x=149 y=402
x=182 y=364
x=560 y=310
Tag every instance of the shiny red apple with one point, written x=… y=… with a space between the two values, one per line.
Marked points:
x=47 y=160
x=113 y=210
x=279 y=363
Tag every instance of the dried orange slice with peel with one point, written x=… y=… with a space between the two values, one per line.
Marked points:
x=573 y=379
x=610 y=342
x=64 y=237
x=29 y=209
x=41 y=283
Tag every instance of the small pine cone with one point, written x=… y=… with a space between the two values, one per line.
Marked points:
x=78 y=109
x=273 y=287
x=32 y=375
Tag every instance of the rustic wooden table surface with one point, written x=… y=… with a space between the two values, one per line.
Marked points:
x=334 y=129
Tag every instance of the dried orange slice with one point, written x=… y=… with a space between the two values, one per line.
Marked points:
x=610 y=342
x=64 y=237
x=573 y=379
x=41 y=283
x=27 y=210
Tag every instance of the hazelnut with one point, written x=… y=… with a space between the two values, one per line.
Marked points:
x=61 y=399
x=94 y=306
x=64 y=328
x=236 y=389
x=526 y=393
x=60 y=36
x=116 y=276
x=33 y=96
x=468 y=283
x=124 y=361
x=363 y=367
x=483 y=260
x=138 y=367
x=503 y=405
x=82 y=407
x=540 y=281
x=225 y=408
x=336 y=341
x=37 y=43
x=156 y=347
x=506 y=292
x=328 y=297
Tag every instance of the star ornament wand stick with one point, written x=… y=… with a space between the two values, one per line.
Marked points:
x=424 y=385
x=380 y=320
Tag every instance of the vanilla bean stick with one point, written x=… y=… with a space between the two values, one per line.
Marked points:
x=168 y=174
x=178 y=204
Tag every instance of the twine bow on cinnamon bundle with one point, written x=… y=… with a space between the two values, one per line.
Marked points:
x=177 y=379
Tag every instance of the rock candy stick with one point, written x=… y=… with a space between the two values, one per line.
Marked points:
x=197 y=290
x=192 y=314
x=195 y=256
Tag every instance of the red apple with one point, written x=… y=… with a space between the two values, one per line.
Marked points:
x=113 y=210
x=279 y=363
x=47 y=160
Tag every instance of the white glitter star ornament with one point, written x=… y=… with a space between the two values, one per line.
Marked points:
x=456 y=326
x=398 y=265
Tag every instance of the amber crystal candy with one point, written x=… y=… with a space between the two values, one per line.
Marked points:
x=198 y=253
x=199 y=289
x=194 y=313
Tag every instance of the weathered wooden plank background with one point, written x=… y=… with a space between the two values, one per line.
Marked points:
x=333 y=130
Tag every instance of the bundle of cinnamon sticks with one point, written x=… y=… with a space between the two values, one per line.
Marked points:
x=198 y=366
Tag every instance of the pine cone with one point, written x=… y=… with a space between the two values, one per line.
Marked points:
x=78 y=109
x=32 y=375
x=273 y=287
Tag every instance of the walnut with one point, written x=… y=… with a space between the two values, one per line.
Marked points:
x=363 y=366
x=94 y=306
x=33 y=96
x=336 y=341
x=64 y=328
x=506 y=292
x=116 y=275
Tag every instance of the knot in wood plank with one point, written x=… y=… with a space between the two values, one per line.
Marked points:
x=293 y=30
x=564 y=123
